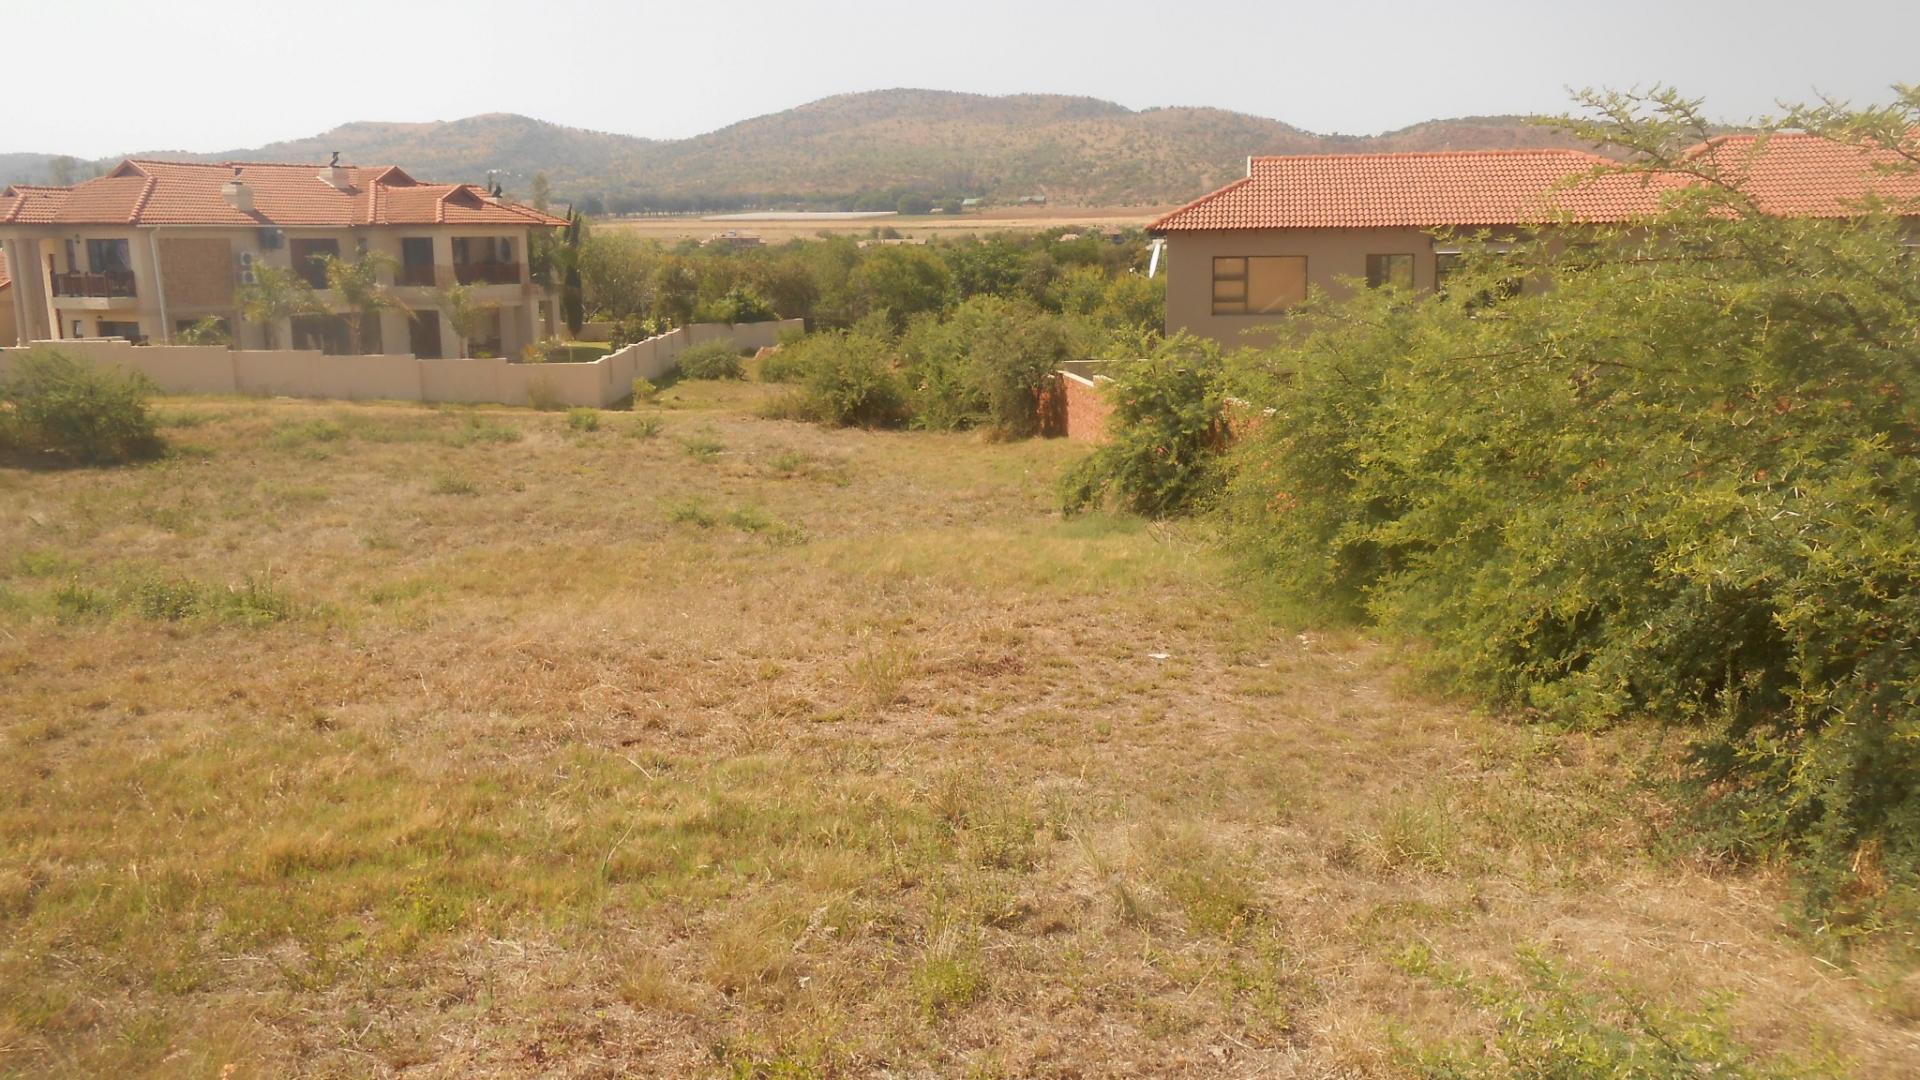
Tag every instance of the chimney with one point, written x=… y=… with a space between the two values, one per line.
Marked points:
x=237 y=193
x=336 y=175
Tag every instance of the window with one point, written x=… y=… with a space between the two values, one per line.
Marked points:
x=1258 y=284
x=416 y=260
x=1394 y=270
x=307 y=255
x=128 y=330
x=108 y=257
x=423 y=335
x=1446 y=263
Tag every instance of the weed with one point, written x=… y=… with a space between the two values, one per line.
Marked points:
x=881 y=672
x=644 y=427
x=583 y=420
x=949 y=974
x=447 y=484
x=703 y=447
x=692 y=513
x=542 y=395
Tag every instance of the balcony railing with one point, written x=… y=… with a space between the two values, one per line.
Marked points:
x=110 y=283
x=416 y=274
x=487 y=273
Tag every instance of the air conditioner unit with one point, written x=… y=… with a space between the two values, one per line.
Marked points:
x=246 y=273
x=271 y=239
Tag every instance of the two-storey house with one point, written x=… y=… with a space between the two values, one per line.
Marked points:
x=154 y=247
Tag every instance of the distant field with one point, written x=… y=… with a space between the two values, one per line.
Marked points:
x=387 y=739
x=996 y=219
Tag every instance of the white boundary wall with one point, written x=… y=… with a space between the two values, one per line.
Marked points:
x=212 y=369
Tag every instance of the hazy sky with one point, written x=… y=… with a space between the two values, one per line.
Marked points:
x=206 y=76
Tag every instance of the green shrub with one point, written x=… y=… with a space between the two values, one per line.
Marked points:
x=53 y=404
x=713 y=360
x=1165 y=435
x=849 y=379
x=782 y=365
x=1683 y=482
x=644 y=427
x=644 y=390
x=583 y=420
x=985 y=365
x=741 y=304
x=636 y=328
x=1550 y=1024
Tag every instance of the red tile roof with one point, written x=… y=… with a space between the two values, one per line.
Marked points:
x=27 y=205
x=1808 y=176
x=1790 y=174
x=142 y=192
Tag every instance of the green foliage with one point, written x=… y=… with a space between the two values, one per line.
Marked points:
x=713 y=360
x=1551 y=1025
x=985 y=365
x=1681 y=482
x=635 y=328
x=358 y=290
x=741 y=304
x=848 y=378
x=900 y=282
x=644 y=390
x=1165 y=434
x=464 y=311
x=211 y=330
x=53 y=404
x=276 y=293
x=583 y=420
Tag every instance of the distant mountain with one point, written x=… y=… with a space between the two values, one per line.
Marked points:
x=1072 y=149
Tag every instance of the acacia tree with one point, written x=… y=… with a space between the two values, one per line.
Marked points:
x=358 y=289
x=277 y=293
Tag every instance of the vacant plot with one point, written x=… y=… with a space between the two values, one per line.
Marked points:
x=366 y=739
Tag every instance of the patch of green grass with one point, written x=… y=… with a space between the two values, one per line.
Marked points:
x=644 y=427
x=251 y=601
x=692 y=513
x=583 y=420
x=703 y=447
x=950 y=973
x=448 y=484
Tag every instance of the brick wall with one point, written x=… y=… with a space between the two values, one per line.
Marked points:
x=197 y=272
x=1075 y=407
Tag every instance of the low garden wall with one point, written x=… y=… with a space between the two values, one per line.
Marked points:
x=212 y=369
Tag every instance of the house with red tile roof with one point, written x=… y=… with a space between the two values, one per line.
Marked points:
x=1238 y=259
x=154 y=247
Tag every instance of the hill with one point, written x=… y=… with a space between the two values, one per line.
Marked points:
x=1072 y=149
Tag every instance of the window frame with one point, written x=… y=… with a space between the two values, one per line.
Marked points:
x=1384 y=280
x=1245 y=280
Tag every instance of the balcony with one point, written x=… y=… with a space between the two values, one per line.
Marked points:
x=416 y=274
x=110 y=283
x=487 y=273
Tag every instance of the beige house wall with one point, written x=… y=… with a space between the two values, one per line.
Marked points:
x=9 y=326
x=184 y=369
x=1332 y=255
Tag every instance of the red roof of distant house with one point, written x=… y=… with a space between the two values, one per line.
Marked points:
x=1808 y=176
x=1800 y=175
x=142 y=192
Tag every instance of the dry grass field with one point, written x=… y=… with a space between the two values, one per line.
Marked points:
x=366 y=739
x=992 y=220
